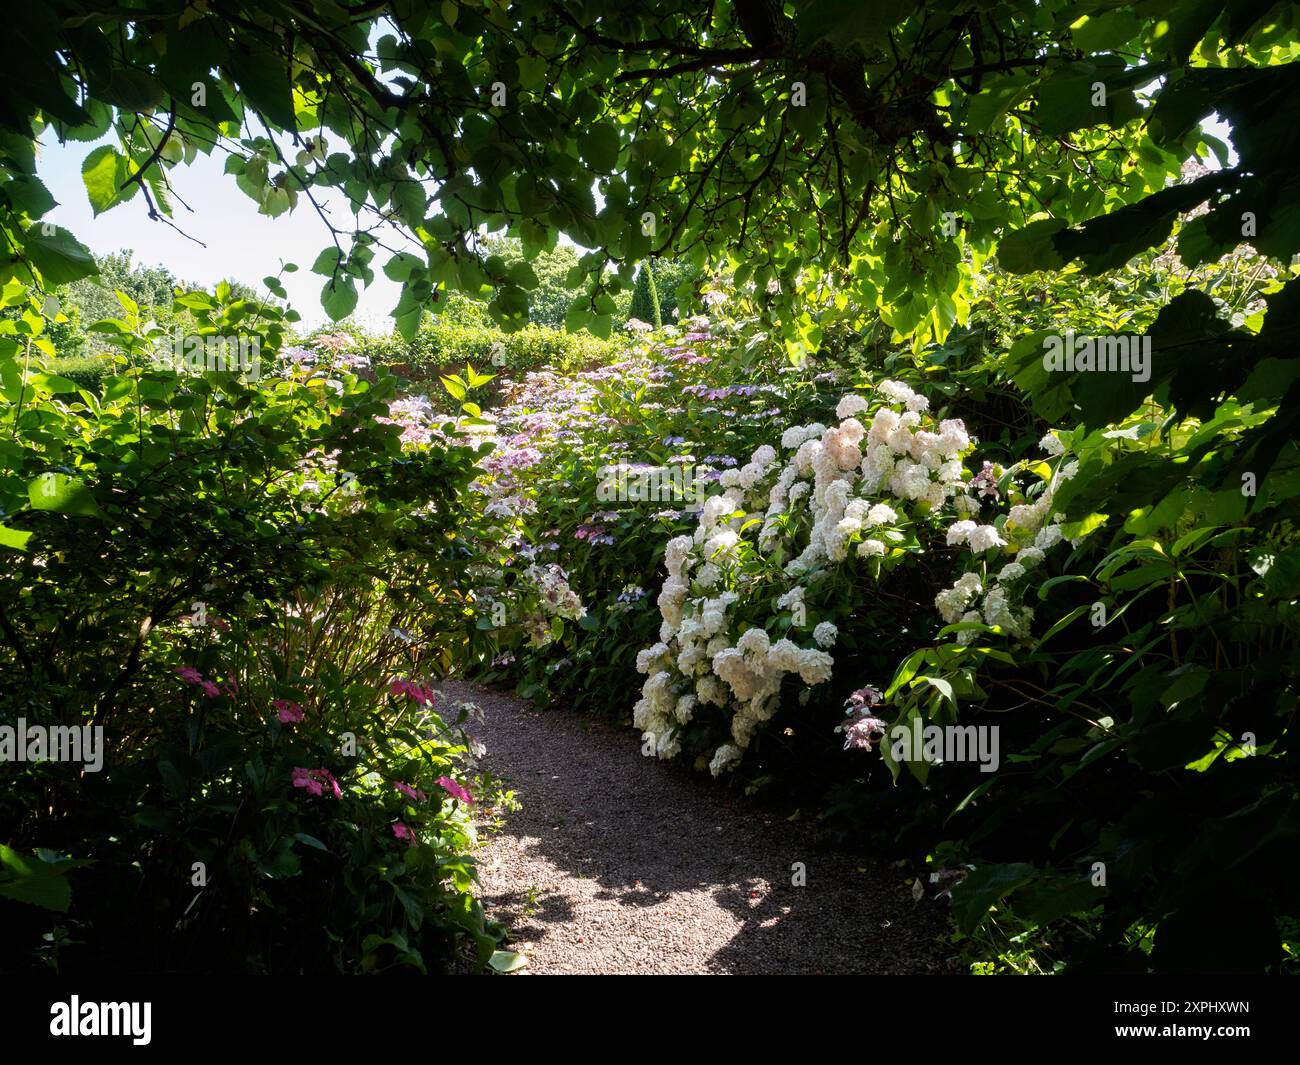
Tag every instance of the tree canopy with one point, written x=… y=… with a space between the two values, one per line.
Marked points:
x=881 y=146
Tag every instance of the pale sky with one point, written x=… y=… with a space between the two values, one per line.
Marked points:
x=240 y=243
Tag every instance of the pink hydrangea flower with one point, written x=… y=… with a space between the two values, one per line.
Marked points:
x=303 y=778
x=412 y=690
x=315 y=780
x=289 y=713
x=452 y=788
x=414 y=794
x=864 y=733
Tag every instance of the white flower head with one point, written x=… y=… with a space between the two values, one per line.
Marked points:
x=853 y=403
x=825 y=634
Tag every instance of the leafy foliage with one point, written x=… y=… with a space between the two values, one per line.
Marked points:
x=236 y=652
x=876 y=150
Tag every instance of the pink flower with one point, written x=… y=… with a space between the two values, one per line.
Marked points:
x=409 y=688
x=189 y=674
x=304 y=778
x=402 y=832
x=863 y=697
x=314 y=781
x=452 y=788
x=209 y=689
x=288 y=712
x=864 y=733
x=414 y=794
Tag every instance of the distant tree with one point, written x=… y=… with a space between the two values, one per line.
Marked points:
x=150 y=286
x=669 y=274
x=549 y=301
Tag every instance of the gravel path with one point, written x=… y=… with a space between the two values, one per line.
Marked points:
x=622 y=864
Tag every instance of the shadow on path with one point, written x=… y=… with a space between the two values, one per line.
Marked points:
x=621 y=864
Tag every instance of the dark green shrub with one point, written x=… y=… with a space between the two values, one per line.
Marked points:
x=227 y=576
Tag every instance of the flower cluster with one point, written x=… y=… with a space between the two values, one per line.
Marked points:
x=315 y=781
x=412 y=690
x=210 y=688
x=554 y=598
x=885 y=482
x=996 y=598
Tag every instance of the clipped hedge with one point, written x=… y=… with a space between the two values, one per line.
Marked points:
x=88 y=371
x=444 y=345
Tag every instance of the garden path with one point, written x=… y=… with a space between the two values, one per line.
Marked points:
x=622 y=864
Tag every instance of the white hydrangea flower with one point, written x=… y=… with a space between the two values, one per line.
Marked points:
x=985 y=538
x=1030 y=557
x=784 y=656
x=815 y=666
x=793 y=437
x=754 y=641
x=791 y=599
x=724 y=758
x=852 y=403
x=953 y=438
x=1026 y=517
x=1052 y=445
x=959 y=532
x=1048 y=537
x=1011 y=572
x=881 y=514
x=645 y=659
x=900 y=393
x=825 y=634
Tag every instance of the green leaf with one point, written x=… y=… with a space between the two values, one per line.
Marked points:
x=982 y=888
x=339 y=297
x=63 y=494
x=942 y=686
x=57 y=254
x=15 y=539
x=398 y=268
x=1031 y=248
x=507 y=961
x=103 y=172
x=33 y=881
x=29 y=195
x=263 y=77
x=599 y=146
x=327 y=262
